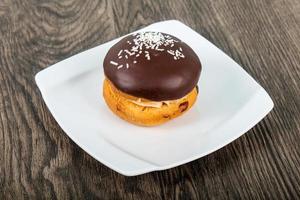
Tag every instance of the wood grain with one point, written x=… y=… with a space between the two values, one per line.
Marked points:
x=38 y=161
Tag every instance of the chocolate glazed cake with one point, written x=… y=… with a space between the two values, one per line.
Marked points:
x=148 y=77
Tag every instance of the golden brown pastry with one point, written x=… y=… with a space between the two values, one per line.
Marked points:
x=144 y=112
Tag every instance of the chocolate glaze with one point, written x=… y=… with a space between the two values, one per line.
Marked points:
x=160 y=77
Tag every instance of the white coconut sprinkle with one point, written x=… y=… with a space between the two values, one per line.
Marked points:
x=147 y=56
x=159 y=49
x=134 y=61
x=127 y=66
x=120 y=66
x=178 y=53
x=120 y=52
x=128 y=52
x=113 y=63
x=171 y=52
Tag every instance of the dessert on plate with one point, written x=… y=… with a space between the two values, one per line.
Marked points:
x=151 y=78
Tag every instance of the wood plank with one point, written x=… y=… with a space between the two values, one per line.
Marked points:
x=37 y=160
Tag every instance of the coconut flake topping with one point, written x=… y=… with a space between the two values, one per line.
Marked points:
x=143 y=41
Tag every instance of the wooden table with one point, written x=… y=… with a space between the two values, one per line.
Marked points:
x=37 y=160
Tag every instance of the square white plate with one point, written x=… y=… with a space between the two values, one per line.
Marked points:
x=230 y=102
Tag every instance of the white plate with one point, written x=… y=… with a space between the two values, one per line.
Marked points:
x=230 y=102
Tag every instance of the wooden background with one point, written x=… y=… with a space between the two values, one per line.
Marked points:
x=37 y=160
